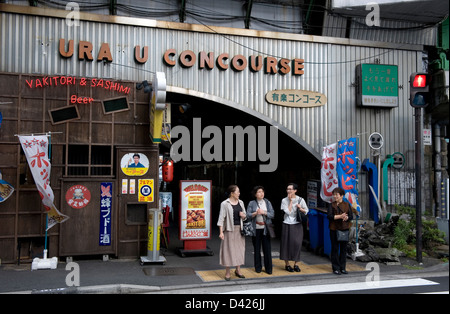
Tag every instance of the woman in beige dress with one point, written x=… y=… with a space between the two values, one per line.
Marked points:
x=232 y=246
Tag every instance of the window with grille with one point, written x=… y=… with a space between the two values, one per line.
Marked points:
x=89 y=160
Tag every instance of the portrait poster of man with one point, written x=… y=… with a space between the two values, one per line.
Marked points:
x=134 y=164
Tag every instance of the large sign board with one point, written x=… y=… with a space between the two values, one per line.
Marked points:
x=377 y=85
x=195 y=210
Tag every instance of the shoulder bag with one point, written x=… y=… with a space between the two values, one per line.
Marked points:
x=342 y=235
x=300 y=215
x=270 y=228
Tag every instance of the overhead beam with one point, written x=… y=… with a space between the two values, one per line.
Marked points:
x=249 y=5
x=182 y=13
x=113 y=7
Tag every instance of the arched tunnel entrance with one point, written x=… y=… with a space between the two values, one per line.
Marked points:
x=295 y=163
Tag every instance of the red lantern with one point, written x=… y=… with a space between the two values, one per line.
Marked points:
x=167 y=170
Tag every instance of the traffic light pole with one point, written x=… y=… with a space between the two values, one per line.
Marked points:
x=418 y=166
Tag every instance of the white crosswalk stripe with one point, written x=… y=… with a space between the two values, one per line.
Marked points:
x=341 y=287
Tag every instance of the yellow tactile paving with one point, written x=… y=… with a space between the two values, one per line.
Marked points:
x=278 y=270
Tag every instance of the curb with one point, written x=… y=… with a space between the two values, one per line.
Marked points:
x=440 y=269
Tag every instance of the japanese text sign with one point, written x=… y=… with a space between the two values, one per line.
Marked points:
x=105 y=213
x=296 y=98
x=377 y=85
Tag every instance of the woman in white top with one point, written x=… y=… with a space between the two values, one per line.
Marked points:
x=292 y=230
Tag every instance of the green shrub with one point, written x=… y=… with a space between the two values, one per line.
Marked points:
x=405 y=231
x=431 y=234
x=402 y=233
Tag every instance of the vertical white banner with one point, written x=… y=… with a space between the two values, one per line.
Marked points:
x=328 y=172
x=36 y=152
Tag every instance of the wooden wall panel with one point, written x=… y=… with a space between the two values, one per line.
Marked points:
x=30 y=225
x=79 y=235
x=8 y=222
x=22 y=216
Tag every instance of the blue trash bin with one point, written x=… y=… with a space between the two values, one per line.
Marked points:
x=326 y=235
x=315 y=230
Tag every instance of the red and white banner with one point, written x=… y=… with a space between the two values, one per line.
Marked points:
x=36 y=151
x=328 y=172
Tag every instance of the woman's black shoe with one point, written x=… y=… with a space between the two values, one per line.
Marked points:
x=343 y=271
x=239 y=275
x=297 y=269
x=289 y=268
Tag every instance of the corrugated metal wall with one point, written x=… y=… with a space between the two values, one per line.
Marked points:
x=389 y=31
x=345 y=119
x=29 y=44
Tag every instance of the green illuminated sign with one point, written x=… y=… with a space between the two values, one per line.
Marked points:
x=377 y=85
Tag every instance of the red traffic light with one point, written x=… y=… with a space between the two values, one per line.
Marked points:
x=419 y=88
x=420 y=80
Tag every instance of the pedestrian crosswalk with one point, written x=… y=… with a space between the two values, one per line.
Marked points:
x=340 y=287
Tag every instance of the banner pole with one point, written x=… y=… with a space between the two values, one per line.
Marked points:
x=49 y=135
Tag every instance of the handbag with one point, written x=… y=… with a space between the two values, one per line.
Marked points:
x=300 y=215
x=342 y=235
x=247 y=230
x=271 y=230
x=270 y=227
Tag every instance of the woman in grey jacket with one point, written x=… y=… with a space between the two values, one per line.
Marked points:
x=232 y=247
x=261 y=212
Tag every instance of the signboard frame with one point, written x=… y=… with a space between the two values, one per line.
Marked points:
x=377 y=85
x=197 y=187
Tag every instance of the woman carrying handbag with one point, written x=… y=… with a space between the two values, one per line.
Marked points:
x=339 y=214
x=292 y=227
x=260 y=212
x=230 y=222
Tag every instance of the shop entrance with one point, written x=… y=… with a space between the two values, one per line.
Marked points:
x=295 y=163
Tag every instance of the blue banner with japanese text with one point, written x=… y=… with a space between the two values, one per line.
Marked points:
x=105 y=213
x=347 y=170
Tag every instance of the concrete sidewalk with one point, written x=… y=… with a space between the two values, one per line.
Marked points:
x=128 y=276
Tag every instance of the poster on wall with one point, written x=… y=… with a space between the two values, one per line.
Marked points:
x=78 y=196
x=146 y=190
x=6 y=189
x=195 y=210
x=134 y=164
